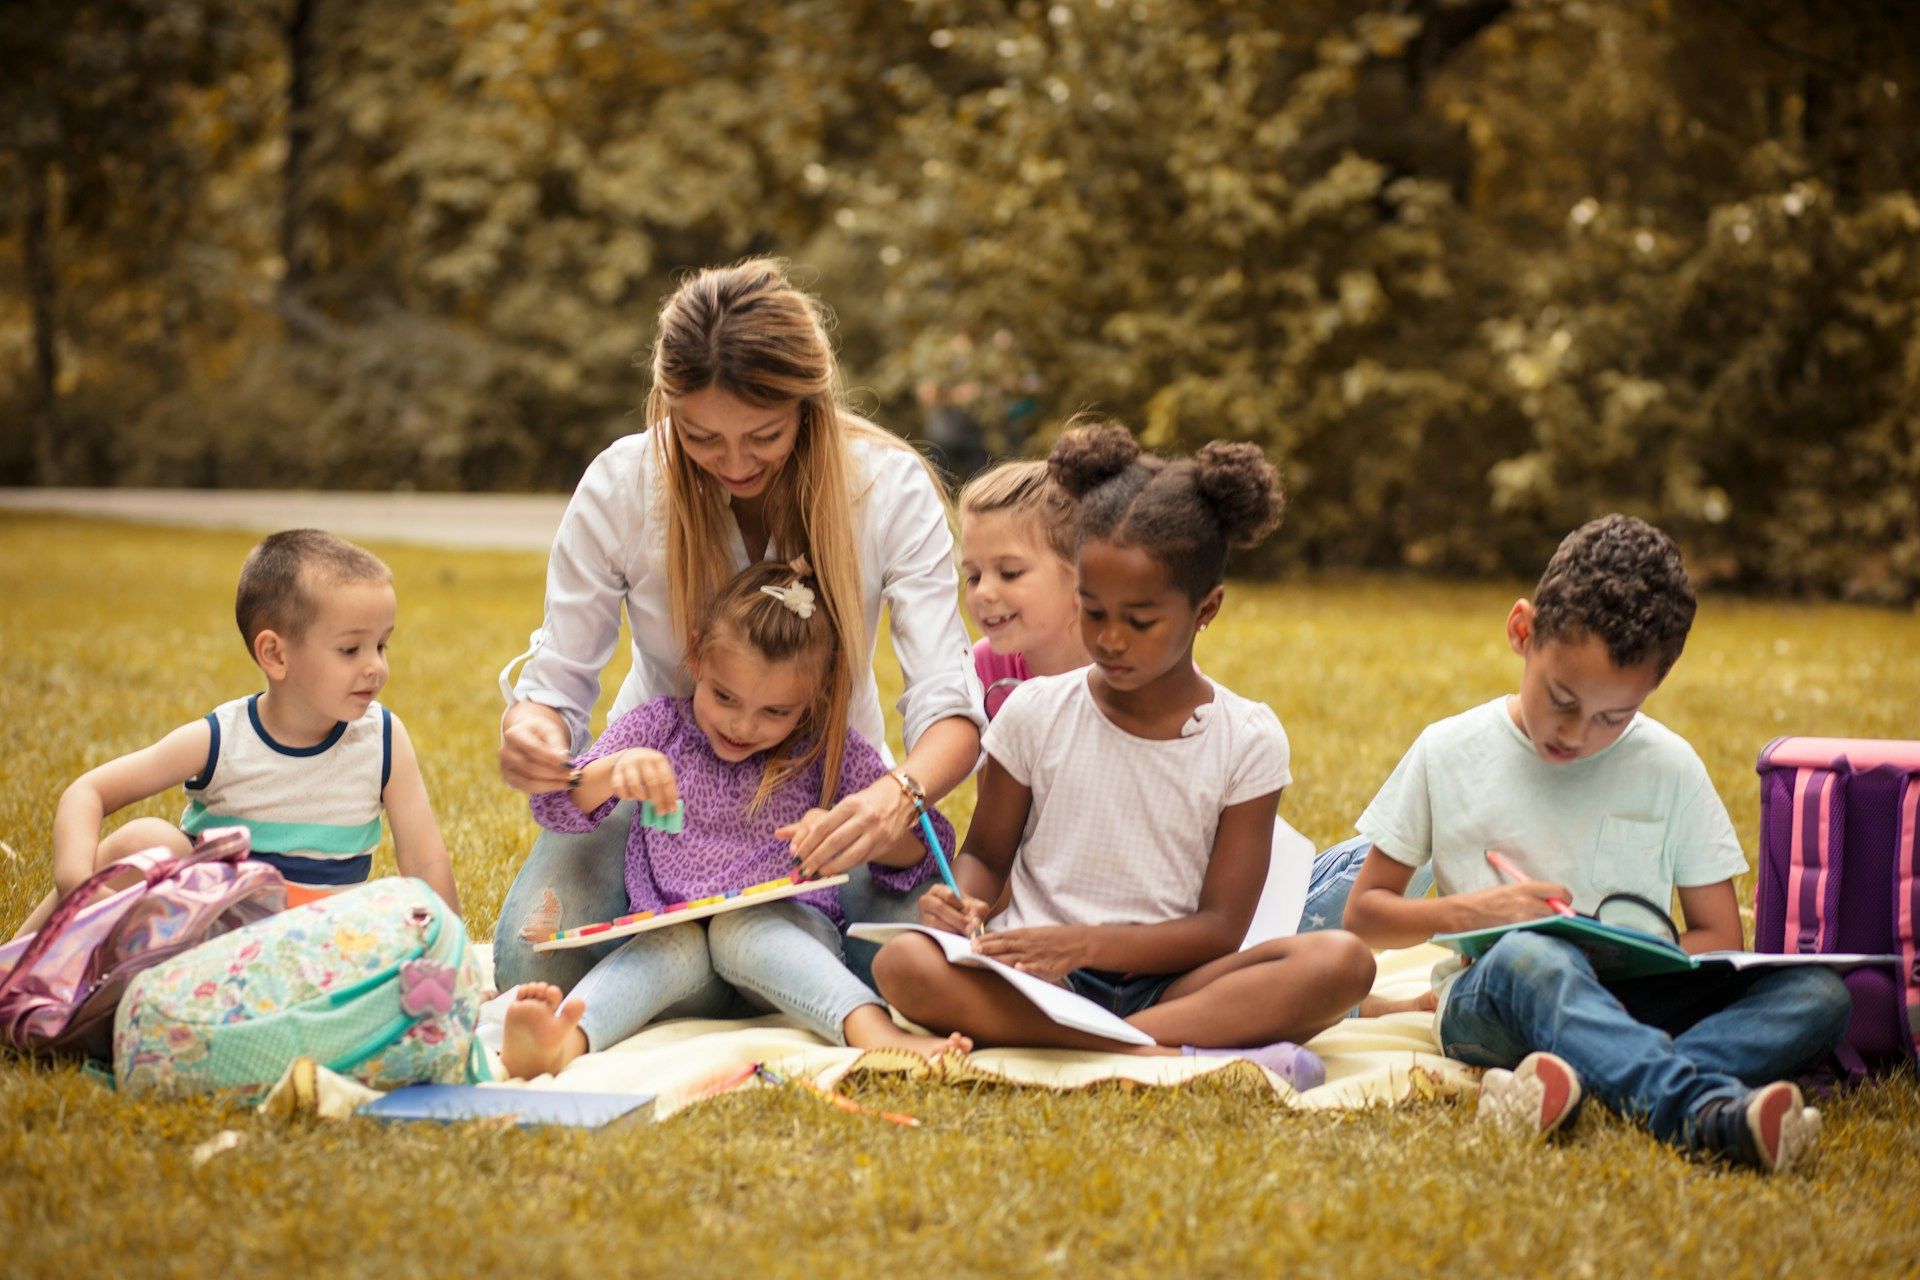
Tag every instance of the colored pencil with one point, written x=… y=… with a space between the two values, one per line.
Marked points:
x=1504 y=865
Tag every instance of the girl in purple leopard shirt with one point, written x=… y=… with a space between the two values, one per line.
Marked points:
x=749 y=755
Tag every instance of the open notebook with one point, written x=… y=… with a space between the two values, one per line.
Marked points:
x=1058 y=1003
x=1618 y=953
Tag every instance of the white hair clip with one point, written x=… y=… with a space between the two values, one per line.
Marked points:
x=797 y=596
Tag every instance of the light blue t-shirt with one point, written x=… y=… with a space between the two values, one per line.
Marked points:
x=1640 y=816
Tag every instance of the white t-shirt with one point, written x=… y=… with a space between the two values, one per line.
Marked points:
x=611 y=549
x=1121 y=828
x=1640 y=816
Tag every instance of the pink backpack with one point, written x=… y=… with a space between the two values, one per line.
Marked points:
x=59 y=987
x=1840 y=872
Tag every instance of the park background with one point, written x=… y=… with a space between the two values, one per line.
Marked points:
x=1470 y=271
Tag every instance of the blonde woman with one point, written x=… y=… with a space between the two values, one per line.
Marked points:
x=750 y=455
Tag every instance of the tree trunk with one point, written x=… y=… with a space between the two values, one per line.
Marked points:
x=299 y=36
x=36 y=241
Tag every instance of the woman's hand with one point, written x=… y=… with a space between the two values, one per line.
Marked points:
x=641 y=774
x=940 y=909
x=534 y=749
x=827 y=842
x=1048 y=951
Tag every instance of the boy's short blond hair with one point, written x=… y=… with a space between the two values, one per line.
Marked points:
x=1024 y=489
x=277 y=580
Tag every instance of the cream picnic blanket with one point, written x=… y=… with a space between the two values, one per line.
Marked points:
x=1369 y=1060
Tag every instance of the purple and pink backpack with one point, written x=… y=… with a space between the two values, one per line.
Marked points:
x=59 y=987
x=1839 y=873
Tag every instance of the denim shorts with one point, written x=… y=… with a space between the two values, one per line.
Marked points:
x=1121 y=994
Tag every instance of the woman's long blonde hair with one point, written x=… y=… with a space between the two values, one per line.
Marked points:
x=748 y=331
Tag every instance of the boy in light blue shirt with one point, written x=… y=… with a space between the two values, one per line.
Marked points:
x=1591 y=798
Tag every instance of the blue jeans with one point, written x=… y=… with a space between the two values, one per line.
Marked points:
x=586 y=874
x=1334 y=871
x=1656 y=1049
x=777 y=957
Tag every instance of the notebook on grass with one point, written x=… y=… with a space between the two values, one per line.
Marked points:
x=1058 y=1003
x=448 y=1102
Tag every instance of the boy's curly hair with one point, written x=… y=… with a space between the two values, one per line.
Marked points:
x=1621 y=579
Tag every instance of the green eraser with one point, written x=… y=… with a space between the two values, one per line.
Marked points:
x=667 y=822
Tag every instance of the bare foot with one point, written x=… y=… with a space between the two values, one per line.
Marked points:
x=872 y=1027
x=1380 y=1006
x=543 y=1035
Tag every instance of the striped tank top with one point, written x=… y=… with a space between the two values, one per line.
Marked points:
x=314 y=812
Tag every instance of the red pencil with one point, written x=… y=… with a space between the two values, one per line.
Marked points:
x=1504 y=865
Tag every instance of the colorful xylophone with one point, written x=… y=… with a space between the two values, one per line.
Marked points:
x=587 y=935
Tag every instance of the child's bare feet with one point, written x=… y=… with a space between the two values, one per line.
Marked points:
x=872 y=1027
x=543 y=1035
x=1380 y=1006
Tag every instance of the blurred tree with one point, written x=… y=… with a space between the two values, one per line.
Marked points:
x=493 y=198
x=1471 y=270
x=1172 y=207
x=101 y=161
x=1718 y=319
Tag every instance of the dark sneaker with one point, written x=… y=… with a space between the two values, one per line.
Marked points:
x=1772 y=1129
x=1533 y=1099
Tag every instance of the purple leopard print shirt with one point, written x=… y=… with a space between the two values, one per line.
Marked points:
x=720 y=848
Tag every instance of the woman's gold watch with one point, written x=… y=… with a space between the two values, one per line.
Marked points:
x=915 y=793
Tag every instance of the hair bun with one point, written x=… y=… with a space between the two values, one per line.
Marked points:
x=1243 y=488
x=1086 y=457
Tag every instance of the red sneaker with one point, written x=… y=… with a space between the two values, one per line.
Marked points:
x=1532 y=1100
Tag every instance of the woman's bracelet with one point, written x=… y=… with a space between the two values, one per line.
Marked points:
x=915 y=793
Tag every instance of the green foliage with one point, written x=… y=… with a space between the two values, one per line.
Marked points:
x=1471 y=271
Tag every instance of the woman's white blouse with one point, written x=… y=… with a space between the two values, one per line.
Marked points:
x=612 y=547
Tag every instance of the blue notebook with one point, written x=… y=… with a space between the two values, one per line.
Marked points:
x=446 y=1102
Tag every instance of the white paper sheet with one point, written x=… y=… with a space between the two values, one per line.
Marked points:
x=1058 y=1003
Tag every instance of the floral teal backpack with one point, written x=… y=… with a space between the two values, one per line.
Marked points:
x=377 y=983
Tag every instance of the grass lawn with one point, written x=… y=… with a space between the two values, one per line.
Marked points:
x=110 y=635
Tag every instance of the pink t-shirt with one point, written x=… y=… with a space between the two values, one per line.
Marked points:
x=1000 y=673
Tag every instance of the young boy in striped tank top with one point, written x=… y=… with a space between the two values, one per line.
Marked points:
x=307 y=766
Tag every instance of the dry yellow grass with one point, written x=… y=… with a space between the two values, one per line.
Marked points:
x=109 y=635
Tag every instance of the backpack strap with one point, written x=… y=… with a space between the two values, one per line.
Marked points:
x=1810 y=866
x=1906 y=884
x=137 y=870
